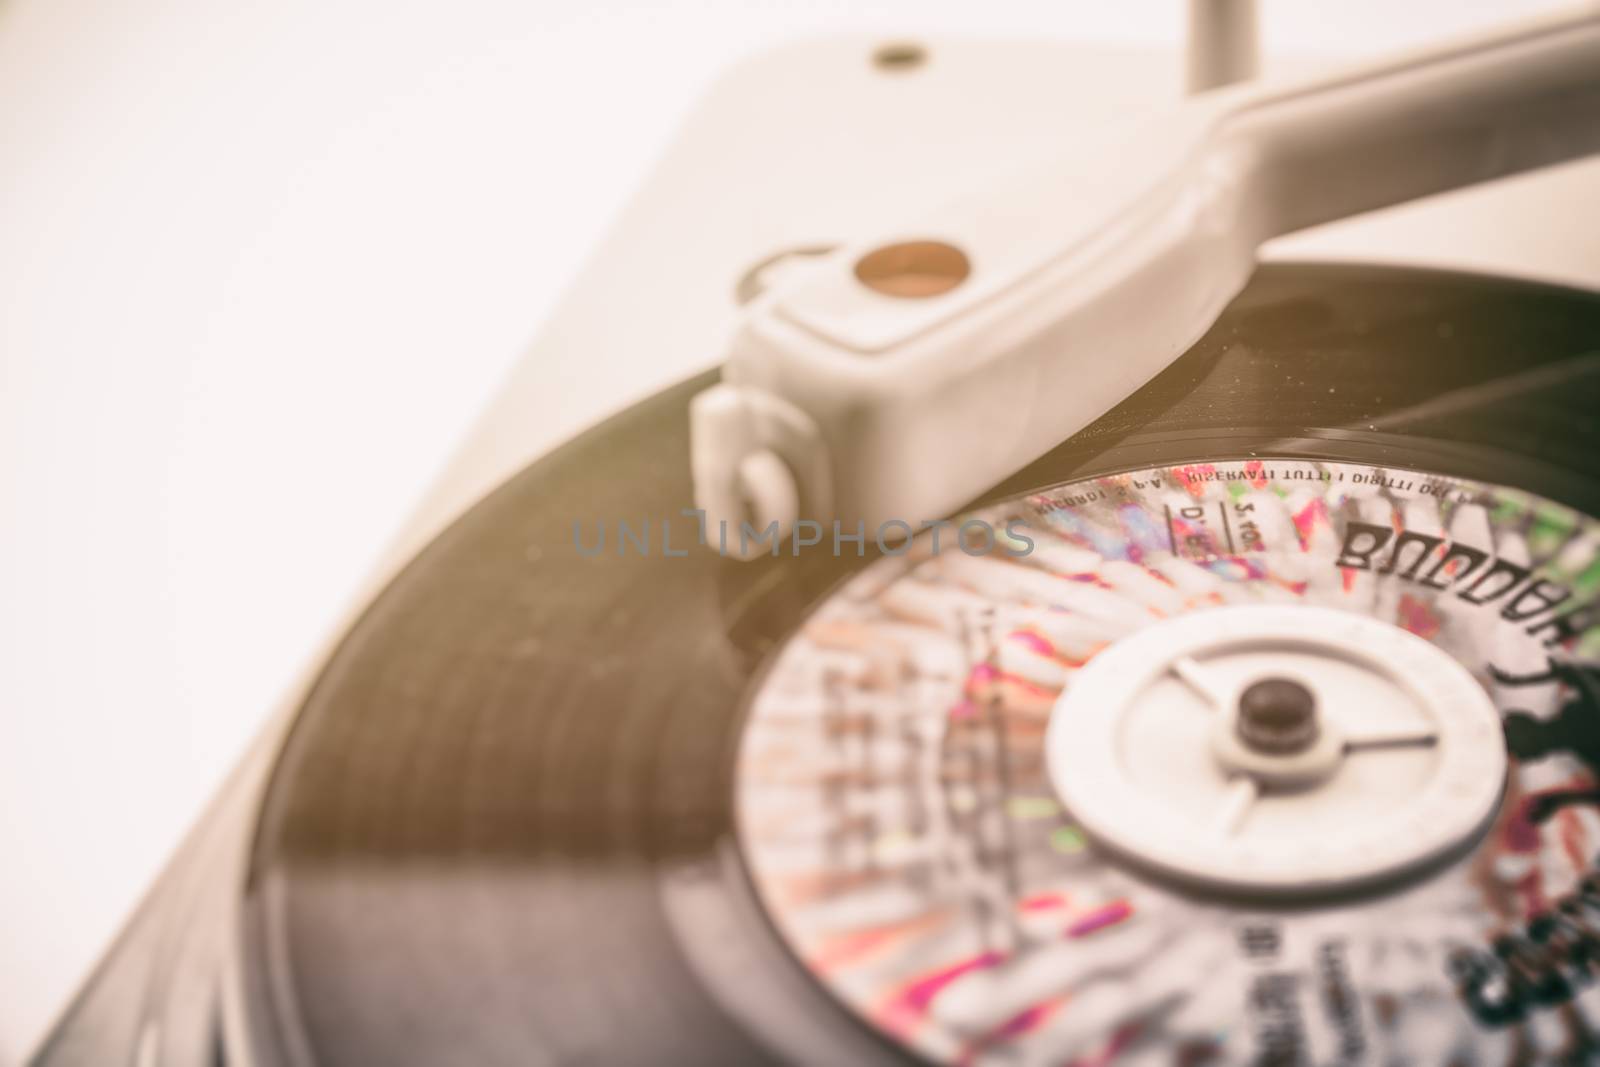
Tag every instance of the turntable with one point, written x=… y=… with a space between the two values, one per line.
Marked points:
x=1053 y=637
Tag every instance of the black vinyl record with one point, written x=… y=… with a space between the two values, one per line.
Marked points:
x=505 y=826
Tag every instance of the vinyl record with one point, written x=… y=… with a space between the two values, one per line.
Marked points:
x=564 y=800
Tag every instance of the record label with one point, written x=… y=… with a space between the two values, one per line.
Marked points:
x=1265 y=761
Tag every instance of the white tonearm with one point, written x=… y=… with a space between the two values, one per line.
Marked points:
x=898 y=378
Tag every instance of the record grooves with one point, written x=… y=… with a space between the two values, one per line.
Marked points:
x=462 y=853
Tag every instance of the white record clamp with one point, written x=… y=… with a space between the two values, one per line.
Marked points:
x=898 y=377
x=1278 y=750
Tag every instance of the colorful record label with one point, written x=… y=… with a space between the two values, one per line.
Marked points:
x=901 y=811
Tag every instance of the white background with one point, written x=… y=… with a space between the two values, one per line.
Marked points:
x=260 y=265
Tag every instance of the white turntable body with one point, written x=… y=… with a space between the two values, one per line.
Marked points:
x=100 y=775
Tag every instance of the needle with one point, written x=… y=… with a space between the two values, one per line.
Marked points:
x=1191 y=674
x=1242 y=792
x=1401 y=739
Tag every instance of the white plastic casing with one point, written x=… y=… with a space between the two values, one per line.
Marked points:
x=1089 y=277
